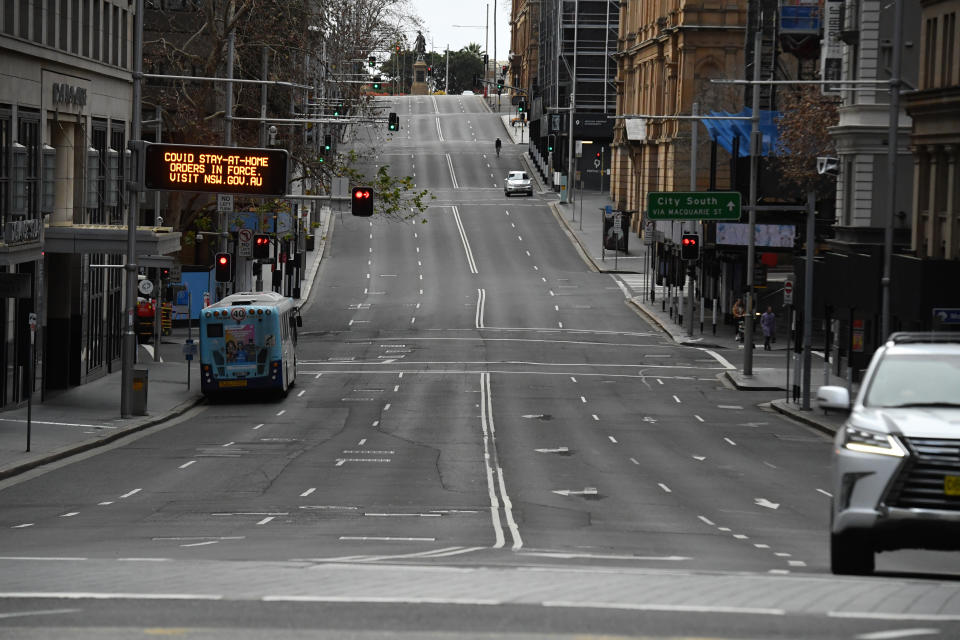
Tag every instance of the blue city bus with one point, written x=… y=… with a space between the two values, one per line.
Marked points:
x=248 y=343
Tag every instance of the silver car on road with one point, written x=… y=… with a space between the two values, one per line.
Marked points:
x=896 y=477
x=517 y=182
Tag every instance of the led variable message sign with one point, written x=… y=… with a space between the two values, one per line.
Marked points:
x=236 y=170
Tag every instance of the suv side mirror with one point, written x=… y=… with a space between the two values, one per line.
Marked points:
x=837 y=398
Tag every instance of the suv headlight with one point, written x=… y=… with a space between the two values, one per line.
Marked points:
x=866 y=441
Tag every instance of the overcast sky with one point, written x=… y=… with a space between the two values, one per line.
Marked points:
x=439 y=16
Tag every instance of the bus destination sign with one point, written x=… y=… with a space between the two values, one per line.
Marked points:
x=236 y=170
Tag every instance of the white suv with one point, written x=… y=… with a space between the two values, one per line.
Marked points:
x=896 y=478
x=517 y=182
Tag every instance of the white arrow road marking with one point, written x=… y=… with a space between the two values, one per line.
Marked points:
x=763 y=502
x=586 y=491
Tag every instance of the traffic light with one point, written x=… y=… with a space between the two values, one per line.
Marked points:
x=327 y=143
x=338 y=110
x=550 y=139
x=486 y=60
x=223 y=270
x=521 y=106
x=261 y=246
x=371 y=61
x=689 y=246
x=429 y=71
x=503 y=70
x=361 y=204
x=394 y=122
x=376 y=83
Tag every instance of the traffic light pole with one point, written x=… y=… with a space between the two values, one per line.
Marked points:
x=691 y=272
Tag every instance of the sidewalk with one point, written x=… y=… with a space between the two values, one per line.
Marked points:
x=88 y=416
x=583 y=222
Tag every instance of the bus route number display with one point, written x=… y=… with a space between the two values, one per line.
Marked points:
x=236 y=170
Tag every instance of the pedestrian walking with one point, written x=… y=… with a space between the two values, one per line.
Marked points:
x=768 y=322
x=738 y=313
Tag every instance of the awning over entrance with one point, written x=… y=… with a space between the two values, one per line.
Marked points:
x=96 y=238
x=725 y=131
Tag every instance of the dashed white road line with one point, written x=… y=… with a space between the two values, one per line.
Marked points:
x=730 y=442
x=664 y=487
x=677 y=399
x=308 y=492
x=612 y=439
x=131 y=493
x=186 y=464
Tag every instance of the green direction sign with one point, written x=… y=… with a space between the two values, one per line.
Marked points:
x=695 y=205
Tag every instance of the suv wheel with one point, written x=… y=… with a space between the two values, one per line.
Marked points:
x=851 y=554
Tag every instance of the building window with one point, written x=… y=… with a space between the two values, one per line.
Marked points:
x=115 y=38
x=85 y=29
x=75 y=26
x=949 y=42
x=62 y=19
x=28 y=134
x=51 y=23
x=930 y=54
x=118 y=142
x=105 y=34
x=6 y=127
x=97 y=35
x=38 y=21
x=95 y=313
x=122 y=35
x=24 y=18
x=98 y=140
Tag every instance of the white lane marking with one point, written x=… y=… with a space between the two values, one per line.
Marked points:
x=706 y=520
x=796 y=563
x=402 y=515
x=413 y=320
x=440 y=135
x=481 y=303
x=308 y=492
x=396 y=388
x=826 y=493
x=60 y=424
x=376 y=423
x=186 y=464
x=386 y=407
x=99 y=595
x=281 y=412
x=699 y=458
x=698 y=417
x=677 y=399
x=528 y=254
x=612 y=439
x=494 y=468
x=772 y=466
x=596 y=417
x=724 y=529
x=634 y=461
x=729 y=406
x=572 y=379
x=39 y=612
x=266 y=520
x=22 y=526
x=666 y=607
x=300 y=395
x=897 y=633
x=45 y=558
x=582 y=399
x=760 y=545
x=229 y=444
x=560 y=324
x=556 y=307
x=386 y=538
x=131 y=493
x=740 y=536
x=463 y=237
x=659 y=381
x=782 y=554
x=664 y=487
x=453 y=176
x=362 y=442
x=719 y=358
x=261 y=424
x=200 y=544
x=730 y=442
x=105 y=503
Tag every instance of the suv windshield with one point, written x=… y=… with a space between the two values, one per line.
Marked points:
x=915 y=380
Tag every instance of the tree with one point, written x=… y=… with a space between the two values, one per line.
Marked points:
x=803 y=136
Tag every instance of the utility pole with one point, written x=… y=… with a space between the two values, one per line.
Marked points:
x=133 y=215
x=892 y=135
x=752 y=232
x=691 y=267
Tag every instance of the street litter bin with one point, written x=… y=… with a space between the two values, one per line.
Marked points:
x=138 y=401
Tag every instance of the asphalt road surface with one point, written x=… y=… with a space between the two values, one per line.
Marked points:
x=484 y=441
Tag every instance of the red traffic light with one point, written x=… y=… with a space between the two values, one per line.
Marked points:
x=690 y=241
x=362 y=201
x=223 y=259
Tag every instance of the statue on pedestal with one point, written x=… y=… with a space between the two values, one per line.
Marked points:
x=420 y=46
